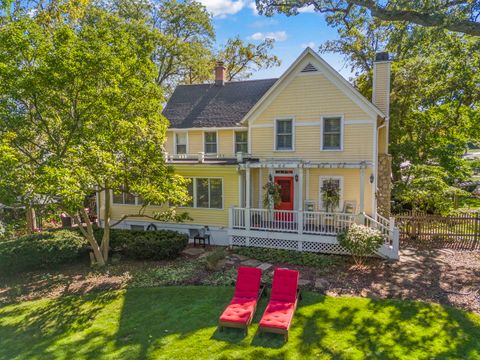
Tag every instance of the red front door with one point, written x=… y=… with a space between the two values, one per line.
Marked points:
x=286 y=197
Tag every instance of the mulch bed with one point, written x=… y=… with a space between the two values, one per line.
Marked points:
x=444 y=276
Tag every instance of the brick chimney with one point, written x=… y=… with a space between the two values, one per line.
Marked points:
x=219 y=74
x=381 y=82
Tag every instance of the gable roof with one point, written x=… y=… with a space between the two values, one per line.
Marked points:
x=300 y=65
x=210 y=105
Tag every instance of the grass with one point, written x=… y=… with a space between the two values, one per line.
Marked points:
x=180 y=323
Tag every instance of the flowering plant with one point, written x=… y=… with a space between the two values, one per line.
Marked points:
x=361 y=241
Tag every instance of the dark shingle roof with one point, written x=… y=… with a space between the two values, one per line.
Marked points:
x=208 y=105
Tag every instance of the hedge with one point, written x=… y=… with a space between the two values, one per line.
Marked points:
x=40 y=250
x=146 y=245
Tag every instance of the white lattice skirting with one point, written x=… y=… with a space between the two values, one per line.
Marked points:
x=276 y=243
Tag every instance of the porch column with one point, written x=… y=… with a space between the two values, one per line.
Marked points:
x=260 y=189
x=247 y=201
x=362 y=189
x=300 y=205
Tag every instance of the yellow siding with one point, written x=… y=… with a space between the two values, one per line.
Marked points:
x=213 y=217
x=307 y=99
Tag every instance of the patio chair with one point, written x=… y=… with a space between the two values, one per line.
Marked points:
x=239 y=313
x=283 y=302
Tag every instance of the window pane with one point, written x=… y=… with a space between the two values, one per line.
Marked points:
x=284 y=135
x=210 y=148
x=241 y=148
x=118 y=198
x=190 y=193
x=284 y=126
x=241 y=136
x=129 y=199
x=181 y=149
x=139 y=200
x=202 y=193
x=216 y=193
x=331 y=141
x=181 y=138
x=284 y=142
x=210 y=137
x=331 y=125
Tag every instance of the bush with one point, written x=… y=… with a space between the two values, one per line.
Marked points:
x=215 y=260
x=147 y=245
x=40 y=250
x=361 y=241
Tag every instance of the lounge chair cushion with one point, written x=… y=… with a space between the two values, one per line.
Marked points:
x=285 y=284
x=248 y=282
x=239 y=310
x=278 y=314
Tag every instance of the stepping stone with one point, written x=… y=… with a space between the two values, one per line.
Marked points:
x=322 y=285
x=303 y=282
x=229 y=262
x=251 y=262
x=240 y=257
x=264 y=266
x=193 y=251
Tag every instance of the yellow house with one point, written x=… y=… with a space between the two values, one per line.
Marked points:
x=293 y=137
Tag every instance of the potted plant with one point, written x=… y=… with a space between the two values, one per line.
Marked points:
x=271 y=197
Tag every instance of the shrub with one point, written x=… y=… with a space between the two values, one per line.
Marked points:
x=214 y=260
x=361 y=241
x=147 y=245
x=40 y=250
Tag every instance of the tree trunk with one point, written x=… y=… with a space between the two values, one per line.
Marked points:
x=106 y=227
x=90 y=237
x=31 y=220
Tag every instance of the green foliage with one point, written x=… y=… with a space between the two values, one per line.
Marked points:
x=148 y=245
x=40 y=250
x=271 y=196
x=425 y=188
x=289 y=257
x=361 y=241
x=214 y=259
x=330 y=195
x=176 y=273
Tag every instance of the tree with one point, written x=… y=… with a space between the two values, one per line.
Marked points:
x=459 y=16
x=80 y=112
x=242 y=59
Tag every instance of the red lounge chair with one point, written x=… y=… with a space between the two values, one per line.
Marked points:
x=239 y=313
x=283 y=302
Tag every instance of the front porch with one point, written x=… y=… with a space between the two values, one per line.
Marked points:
x=313 y=231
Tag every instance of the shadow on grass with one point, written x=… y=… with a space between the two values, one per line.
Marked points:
x=181 y=323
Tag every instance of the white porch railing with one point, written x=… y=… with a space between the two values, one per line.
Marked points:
x=290 y=221
x=304 y=230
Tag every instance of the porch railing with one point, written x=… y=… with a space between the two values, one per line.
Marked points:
x=290 y=221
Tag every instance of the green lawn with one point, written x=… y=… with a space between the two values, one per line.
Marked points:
x=180 y=323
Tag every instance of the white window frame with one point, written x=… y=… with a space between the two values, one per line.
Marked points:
x=342 y=130
x=217 y=142
x=322 y=178
x=235 y=140
x=194 y=195
x=292 y=118
x=175 y=142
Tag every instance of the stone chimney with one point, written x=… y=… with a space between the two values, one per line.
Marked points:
x=219 y=74
x=381 y=82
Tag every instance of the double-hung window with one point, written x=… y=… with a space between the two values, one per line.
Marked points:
x=206 y=193
x=181 y=143
x=332 y=136
x=125 y=198
x=331 y=193
x=241 y=142
x=210 y=140
x=284 y=135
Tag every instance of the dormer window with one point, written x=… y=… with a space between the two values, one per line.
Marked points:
x=181 y=143
x=241 y=142
x=210 y=141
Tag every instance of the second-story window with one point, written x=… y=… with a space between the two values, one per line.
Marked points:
x=181 y=143
x=332 y=133
x=284 y=134
x=210 y=142
x=241 y=142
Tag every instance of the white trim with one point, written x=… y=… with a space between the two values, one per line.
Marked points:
x=307 y=123
x=123 y=197
x=321 y=178
x=235 y=140
x=358 y=122
x=175 y=142
x=329 y=73
x=342 y=131
x=260 y=126
x=292 y=118
x=217 y=141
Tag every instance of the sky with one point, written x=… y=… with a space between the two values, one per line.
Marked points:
x=292 y=34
